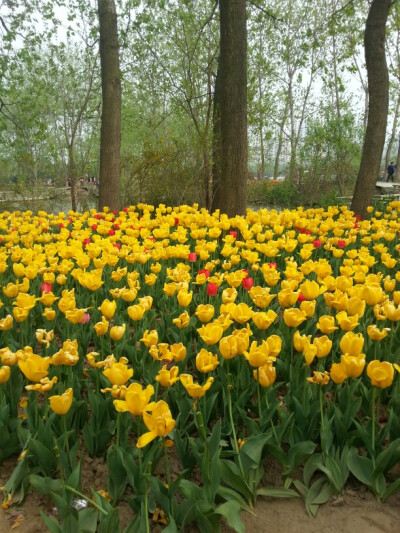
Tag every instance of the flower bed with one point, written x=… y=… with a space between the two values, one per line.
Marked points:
x=155 y=333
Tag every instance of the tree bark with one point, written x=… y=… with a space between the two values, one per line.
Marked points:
x=378 y=89
x=231 y=198
x=216 y=143
x=110 y=139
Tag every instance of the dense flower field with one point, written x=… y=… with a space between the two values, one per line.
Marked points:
x=152 y=332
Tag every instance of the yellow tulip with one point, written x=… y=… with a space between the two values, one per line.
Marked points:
x=159 y=422
x=299 y=340
x=118 y=374
x=311 y=290
x=62 y=404
x=101 y=328
x=68 y=355
x=261 y=296
x=372 y=294
x=353 y=366
x=136 y=312
x=20 y=314
x=108 y=308
x=75 y=316
x=392 y=312
x=263 y=319
x=44 y=385
x=355 y=306
x=25 y=301
x=136 y=399
x=352 y=343
x=294 y=317
x=242 y=313
x=309 y=352
x=117 y=332
x=149 y=337
x=44 y=337
x=287 y=297
x=182 y=321
x=319 y=378
x=178 y=352
x=206 y=361
x=168 y=377
x=274 y=345
x=376 y=334
x=380 y=374
x=308 y=307
x=323 y=345
x=8 y=357
x=10 y=290
x=128 y=295
x=326 y=324
x=33 y=366
x=242 y=338
x=5 y=372
x=265 y=375
x=184 y=297
x=194 y=389
x=228 y=346
x=258 y=355
x=229 y=295
x=146 y=302
x=337 y=373
x=205 y=312
x=211 y=333
x=346 y=322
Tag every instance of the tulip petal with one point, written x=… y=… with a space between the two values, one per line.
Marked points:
x=145 y=439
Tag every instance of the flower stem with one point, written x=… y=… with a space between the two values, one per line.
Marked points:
x=321 y=407
x=235 y=442
x=373 y=418
x=258 y=396
x=74 y=491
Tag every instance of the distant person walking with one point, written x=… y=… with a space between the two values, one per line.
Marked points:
x=390 y=172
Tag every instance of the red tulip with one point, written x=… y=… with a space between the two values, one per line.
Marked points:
x=212 y=289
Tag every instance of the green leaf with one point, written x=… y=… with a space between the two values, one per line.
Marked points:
x=231 y=476
x=214 y=440
x=361 y=468
x=252 y=449
x=45 y=485
x=388 y=458
x=88 y=520
x=277 y=492
x=392 y=489
x=231 y=512
x=171 y=527
x=298 y=453
x=51 y=524
x=229 y=494
x=310 y=467
x=190 y=490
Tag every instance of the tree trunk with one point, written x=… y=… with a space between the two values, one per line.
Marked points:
x=110 y=140
x=280 y=140
x=71 y=175
x=378 y=89
x=216 y=143
x=232 y=195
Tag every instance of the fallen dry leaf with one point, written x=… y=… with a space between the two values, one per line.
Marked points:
x=18 y=521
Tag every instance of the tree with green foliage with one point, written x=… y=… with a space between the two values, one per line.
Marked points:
x=378 y=89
